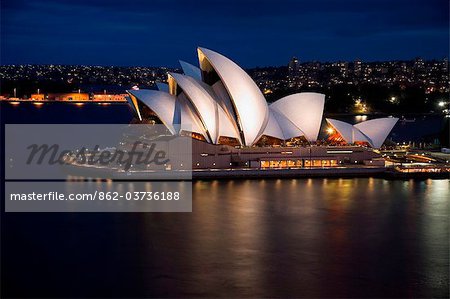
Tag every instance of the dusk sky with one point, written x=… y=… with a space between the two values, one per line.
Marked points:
x=253 y=33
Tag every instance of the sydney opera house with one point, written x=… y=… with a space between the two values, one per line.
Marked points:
x=231 y=124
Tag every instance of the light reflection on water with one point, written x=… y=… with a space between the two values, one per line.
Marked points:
x=319 y=237
x=261 y=238
x=247 y=238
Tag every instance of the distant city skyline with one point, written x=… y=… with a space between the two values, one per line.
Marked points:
x=431 y=75
x=254 y=33
x=174 y=66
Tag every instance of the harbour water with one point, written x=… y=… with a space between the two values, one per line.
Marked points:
x=327 y=238
x=245 y=238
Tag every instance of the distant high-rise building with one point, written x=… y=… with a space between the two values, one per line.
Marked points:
x=404 y=68
x=419 y=64
x=445 y=65
x=357 y=67
x=343 y=68
x=294 y=72
x=293 y=67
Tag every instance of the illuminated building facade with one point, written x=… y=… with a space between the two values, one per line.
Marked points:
x=372 y=132
x=73 y=96
x=220 y=104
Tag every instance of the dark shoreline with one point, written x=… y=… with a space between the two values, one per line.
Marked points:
x=343 y=172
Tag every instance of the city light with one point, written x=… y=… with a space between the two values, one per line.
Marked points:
x=441 y=104
x=330 y=130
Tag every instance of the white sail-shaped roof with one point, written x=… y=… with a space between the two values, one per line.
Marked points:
x=219 y=99
x=304 y=110
x=188 y=118
x=281 y=127
x=224 y=101
x=359 y=136
x=202 y=98
x=204 y=105
x=372 y=131
x=289 y=129
x=162 y=103
x=227 y=125
x=273 y=128
x=226 y=128
x=191 y=70
x=377 y=129
x=343 y=128
x=348 y=132
x=252 y=113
